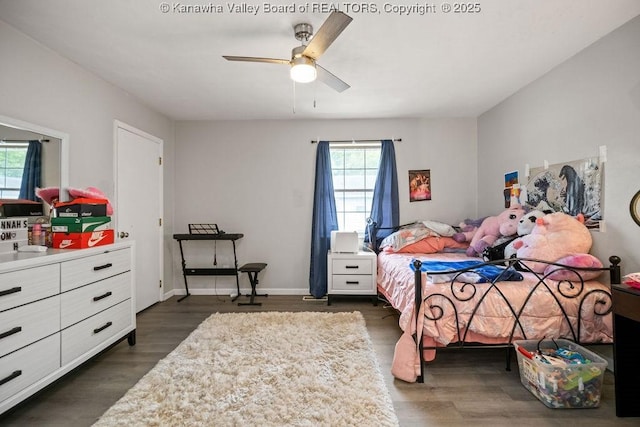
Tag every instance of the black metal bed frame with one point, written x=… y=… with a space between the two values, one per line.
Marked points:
x=462 y=291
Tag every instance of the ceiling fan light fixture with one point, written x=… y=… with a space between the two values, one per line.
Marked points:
x=303 y=70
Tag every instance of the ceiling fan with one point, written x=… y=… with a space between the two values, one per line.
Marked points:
x=304 y=67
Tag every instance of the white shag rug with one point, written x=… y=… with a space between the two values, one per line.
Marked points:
x=263 y=369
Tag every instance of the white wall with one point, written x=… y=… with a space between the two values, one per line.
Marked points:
x=592 y=99
x=257 y=178
x=40 y=87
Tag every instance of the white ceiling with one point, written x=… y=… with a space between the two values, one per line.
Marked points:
x=431 y=65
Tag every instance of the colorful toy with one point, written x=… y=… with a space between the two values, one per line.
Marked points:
x=525 y=227
x=554 y=236
x=493 y=227
x=468 y=228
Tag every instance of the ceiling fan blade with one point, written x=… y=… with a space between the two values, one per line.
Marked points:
x=330 y=80
x=256 y=59
x=328 y=32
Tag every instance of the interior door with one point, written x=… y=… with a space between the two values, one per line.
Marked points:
x=138 y=207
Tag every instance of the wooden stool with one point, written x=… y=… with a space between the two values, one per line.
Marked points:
x=252 y=270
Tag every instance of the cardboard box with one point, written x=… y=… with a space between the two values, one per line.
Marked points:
x=20 y=208
x=83 y=240
x=80 y=225
x=566 y=385
x=81 y=207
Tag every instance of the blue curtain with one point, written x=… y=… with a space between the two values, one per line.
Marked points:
x=385 y=206
x=32 y=171
x=325 y=219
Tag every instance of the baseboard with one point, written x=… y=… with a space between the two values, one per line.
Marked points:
x=243 y=291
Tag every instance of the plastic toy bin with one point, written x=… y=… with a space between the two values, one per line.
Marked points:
x=565 y=386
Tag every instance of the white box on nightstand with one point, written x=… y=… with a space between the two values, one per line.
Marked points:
x=352 y=274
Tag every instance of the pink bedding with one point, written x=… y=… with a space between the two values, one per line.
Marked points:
x=493 y=321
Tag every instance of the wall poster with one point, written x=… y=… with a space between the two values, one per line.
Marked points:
x=419 y=185
x=572 y=187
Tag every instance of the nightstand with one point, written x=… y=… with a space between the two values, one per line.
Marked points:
x=626 y=348
x=352 y=274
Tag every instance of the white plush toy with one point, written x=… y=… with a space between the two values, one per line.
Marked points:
x=525 y=225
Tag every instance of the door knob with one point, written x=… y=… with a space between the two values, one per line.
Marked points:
x=123 y=234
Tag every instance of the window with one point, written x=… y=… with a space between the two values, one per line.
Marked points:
x=12 y=158
x=354 y=168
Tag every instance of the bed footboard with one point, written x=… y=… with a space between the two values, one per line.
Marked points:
x=591 y=302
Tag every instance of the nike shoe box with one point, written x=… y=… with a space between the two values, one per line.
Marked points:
x=81 y=207
x=14 y=232
x=20 y=208
x=81 y=224
x=83 y=240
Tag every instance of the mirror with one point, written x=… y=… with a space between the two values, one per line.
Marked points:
x=634 y=208
x=55 y=152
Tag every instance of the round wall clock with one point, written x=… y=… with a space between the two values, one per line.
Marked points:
x=634 y=208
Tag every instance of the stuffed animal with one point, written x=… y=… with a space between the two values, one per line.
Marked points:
x=554 y=236
x=468 y=228
x=525 y=227
x=493 y=227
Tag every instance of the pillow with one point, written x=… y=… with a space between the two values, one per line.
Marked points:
x=49 y=194
x=576 y=260
x=632 y=279
x=440 y=228
x=403 y=237
x=90 y=193
x=431 y=245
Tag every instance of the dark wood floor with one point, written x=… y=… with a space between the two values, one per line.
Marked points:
x=462 y=388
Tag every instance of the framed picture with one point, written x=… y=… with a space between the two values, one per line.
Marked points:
x=510 y=179
x=634 y=208
x=419 y=185
x=572 y=187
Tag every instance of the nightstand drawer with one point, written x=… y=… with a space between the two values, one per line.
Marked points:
x=352 y=282
x=352 y=266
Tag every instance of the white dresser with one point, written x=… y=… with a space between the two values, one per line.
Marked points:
x=352 y=274
x=57 y=310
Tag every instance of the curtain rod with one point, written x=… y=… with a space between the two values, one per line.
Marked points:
x=313 y=141
x=24 y=140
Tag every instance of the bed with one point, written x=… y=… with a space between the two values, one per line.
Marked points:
x=472 y=302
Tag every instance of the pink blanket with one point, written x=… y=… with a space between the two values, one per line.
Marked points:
x=540 y=311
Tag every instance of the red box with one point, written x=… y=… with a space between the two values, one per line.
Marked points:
x=82 y=240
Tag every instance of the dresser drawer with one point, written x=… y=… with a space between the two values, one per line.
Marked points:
x=83 y=302
x=352 y=266
x=24 y=367
x=82 y=271
x=352 y=282
x=93 y=331
x=28 y=323
x=24 y=286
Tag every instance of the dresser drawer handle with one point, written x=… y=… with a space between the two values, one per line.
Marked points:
x=102 y=267
x=98 y=298
x=10 y=291
x=352 y=266
x=102 y=328
x=14 y=375
x=352 y=282
x=11 y=332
